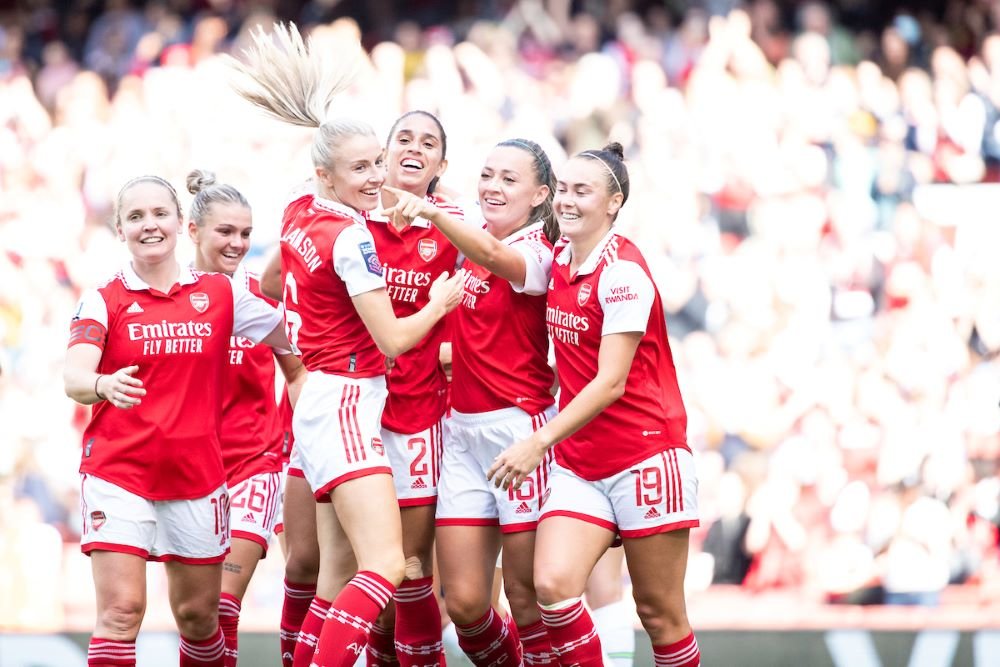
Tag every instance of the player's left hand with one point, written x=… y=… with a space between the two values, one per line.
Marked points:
x=408 y=206
x=516 y=462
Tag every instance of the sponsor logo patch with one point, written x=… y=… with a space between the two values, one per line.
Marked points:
x=368 y=253
x=583 y=294
x=135 y=308
x=523 y=508
x=418 y=483
x=427 y=249
x=652 y=514
x=199 y=301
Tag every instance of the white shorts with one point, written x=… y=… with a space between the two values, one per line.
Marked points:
x=657 y=495
x=337 y=426
x=195 y=532
x=253 y=508
x=416 y=463
x=279 y=515
x=472 y=442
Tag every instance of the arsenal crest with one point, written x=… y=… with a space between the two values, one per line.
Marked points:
x=427 y=248
x=199 y=301
x=583 y=294
x=377 y=446
x=97 y=519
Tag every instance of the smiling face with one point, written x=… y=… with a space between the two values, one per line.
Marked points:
x=223 y=237
x=415 y=154
x=356 y=175
x=148 y=221
x=509 y=189
x=582 y=204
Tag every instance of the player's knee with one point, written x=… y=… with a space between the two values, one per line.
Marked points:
x=195 y=619
x=465 y=606
x=521 y=597
x=553 y=585
x=120 y=620
x=661 y=619
x=302 y=567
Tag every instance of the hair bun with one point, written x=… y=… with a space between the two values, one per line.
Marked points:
x=615 y=149
x=199 y=179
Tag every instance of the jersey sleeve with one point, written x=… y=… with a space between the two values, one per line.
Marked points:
x=90 y=323
x=537 y=266
x=356 y=262
x=253 y=317
x=626 y=297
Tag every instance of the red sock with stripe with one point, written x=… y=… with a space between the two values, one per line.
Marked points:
x=418 y=623
x=684 y=653
x=571 y=631
x=110 y=653
x=203 y=652
x=312 y=625
x=294 y=608
x=489 y=641
x=350 y=619
x=536 y=644
x=381 y=651
x=229 y=621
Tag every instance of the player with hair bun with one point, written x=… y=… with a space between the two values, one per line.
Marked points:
x=149 y=349
x=252 y=435
x=622 y=461
x=340 y=317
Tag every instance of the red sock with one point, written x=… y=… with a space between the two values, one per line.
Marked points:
x=312 y=625
x=229 y=621
x=508 y=620
x=536 y=644
x=110 y=653
x=684 y=653
x=203 y=652
x=298 y=597
x=571 y=631
x=345 y=632
x=488 y=641
x=381 y=647
x=418 y=623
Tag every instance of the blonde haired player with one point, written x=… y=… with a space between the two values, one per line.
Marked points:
x=340 y=318
x=148 y=349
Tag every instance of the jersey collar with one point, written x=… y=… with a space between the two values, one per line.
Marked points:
x=135 y=284
x=523 y=231
x=338 y=208
x=593 y=259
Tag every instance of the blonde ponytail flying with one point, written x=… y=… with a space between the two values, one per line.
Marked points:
x=296 y=81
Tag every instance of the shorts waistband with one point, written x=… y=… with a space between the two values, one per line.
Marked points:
x=493 y=416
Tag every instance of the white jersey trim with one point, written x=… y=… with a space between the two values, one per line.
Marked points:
x=351 y=252
x=626 y=296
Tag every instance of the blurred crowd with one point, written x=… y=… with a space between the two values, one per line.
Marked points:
x=817 y=202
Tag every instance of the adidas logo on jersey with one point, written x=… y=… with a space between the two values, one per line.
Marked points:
x=652 y=514
x=523 y=508
x=248 y=517
x=418 y=484
x=135 y=308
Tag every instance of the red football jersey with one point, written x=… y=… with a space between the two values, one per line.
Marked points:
x=412 y=259
x=167 y=447
x=327 y=257
x=499 y=344
x=251 y=431
x=613 y=292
